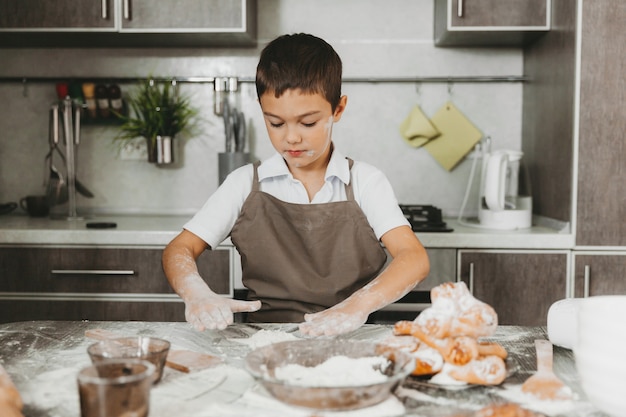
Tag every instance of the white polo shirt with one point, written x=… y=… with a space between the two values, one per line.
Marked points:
x=372 y=192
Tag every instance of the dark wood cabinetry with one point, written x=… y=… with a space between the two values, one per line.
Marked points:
x=127 y=23
x=490 y=22
x=41 y=15
x=601 y=198
x=599 y=273
x=520 y=286
x=98 y=283
x=573 y=125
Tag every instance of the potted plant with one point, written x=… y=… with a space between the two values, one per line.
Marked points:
x=157 y=112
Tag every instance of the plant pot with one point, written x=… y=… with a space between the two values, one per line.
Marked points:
x=165 y=150
x=161 y=150
x=152 y=150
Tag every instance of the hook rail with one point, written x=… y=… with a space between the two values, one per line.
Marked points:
x=211 y=80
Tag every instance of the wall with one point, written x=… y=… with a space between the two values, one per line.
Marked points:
x=393 y=39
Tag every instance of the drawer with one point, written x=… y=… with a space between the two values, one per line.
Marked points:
x=98 y=310
x=101 y=270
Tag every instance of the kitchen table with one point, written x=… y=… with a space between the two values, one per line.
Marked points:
x=44 y=357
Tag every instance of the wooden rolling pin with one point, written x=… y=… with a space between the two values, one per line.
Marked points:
x=179 y=359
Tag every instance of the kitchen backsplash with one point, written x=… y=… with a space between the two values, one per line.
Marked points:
x=390 y=40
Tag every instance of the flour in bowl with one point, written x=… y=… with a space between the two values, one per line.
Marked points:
x=337 y=371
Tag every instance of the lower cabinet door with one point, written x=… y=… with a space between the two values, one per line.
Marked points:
x=520 y=286
x=599 y=273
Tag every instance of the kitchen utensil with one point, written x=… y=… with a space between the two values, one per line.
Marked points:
x=263 y=363
x=151 y=349
x=80 y=187
x=56 y=189
x=241 y=132
x=544 y=384
x=116 y=388
x=501 y=206
x=179 y=359
x=228 y=128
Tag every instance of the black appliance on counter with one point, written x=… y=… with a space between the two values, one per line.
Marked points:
x=424 y=218
x=6 y=208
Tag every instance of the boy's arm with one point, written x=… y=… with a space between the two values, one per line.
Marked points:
x=10 y=400
x=204 y=309
x=408 y=267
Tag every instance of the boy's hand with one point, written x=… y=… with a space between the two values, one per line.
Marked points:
x=215 y=312
x=331 y=322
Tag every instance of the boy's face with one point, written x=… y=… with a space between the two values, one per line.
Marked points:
x=300 y=126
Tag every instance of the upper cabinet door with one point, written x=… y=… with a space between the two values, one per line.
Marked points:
x=57 y=15
x=498 y=13
x=127 y=23
x=183 y=15
x=490 y=22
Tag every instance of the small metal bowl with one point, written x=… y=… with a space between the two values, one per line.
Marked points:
x=262 y=362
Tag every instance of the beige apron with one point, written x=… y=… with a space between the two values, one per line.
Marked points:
x=303 y=258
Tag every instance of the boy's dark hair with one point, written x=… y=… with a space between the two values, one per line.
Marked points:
x=300 y=61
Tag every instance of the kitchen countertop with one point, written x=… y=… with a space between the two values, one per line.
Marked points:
x=152 y=230
x=44 y=358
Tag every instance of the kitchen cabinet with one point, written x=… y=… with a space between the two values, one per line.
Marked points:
x=127 y=23
x=573 y=121
x=490 y=22
x=56 y=15
x=601 y=190
x=89 y=283
x=520 y=285
x=599 y=273
x=573 y=124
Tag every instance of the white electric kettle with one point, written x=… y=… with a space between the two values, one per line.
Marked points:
x=500 y=205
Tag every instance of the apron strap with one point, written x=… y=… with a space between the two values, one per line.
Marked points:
x=256 y=186
x=348 y=186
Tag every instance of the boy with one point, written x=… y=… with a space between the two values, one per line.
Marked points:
x=307 y=221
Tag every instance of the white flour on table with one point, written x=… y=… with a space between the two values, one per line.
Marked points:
x=336 y=371
x=515 y=394
x=266 y=337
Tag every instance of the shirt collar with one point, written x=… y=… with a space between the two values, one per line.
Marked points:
x=275 y=166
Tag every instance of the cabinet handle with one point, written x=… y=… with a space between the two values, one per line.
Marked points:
x=471 y=278
x=586 y=281
x=459 y=8
x=92 y=272
x=126 y=10
x=105 y=9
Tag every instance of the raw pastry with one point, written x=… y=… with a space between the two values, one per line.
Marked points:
x=455 y=312
x=451 y=328
x=428 y=361
x=486 y=370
